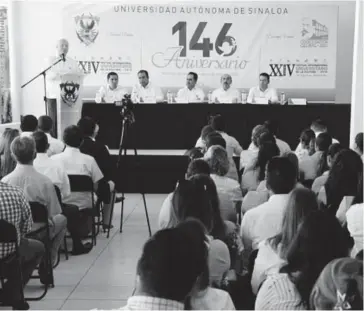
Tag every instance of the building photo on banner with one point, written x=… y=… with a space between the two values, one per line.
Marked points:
x=240 y=39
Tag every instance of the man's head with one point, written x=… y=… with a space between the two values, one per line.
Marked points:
x=45 y=123
x=281 y=175
x=88 y=127
x=62 y=47
x=112 y=80
x=23 y=150
x=263 y=81
x=226 y=81
x=191 y=80
x=323 y=142
x=333 y=150
x=170 y=264
x=72 y=136
x=143 y=77
x=318 y=126
x=359 y=143
x=28 y=123
x=214 y=139
x=218 y=123
x=41 y=141
x=197 y=166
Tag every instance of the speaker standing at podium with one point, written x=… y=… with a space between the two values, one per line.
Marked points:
x=68 y=65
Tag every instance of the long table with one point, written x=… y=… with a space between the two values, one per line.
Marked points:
x=163 y=132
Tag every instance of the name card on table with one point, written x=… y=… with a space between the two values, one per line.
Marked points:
x=298 y=101
x=261 y=101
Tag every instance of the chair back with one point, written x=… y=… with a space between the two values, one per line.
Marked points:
x=8 y=232
x=39 y=212
x=81 y=183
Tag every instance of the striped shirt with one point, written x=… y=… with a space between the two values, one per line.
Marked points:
x=278 y=293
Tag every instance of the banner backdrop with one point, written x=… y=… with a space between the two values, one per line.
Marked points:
x=295 y=44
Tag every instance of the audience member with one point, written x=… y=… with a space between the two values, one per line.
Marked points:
x=264 y=221
x=306 y=147
x=272 y=252
x=316 y=164
x=15 y=209
x=266 y=137
x=7 y=162
x=48 y=167
x=358 y=147
x=272 y=127
x=197 y=198
x=45 y=124
x=320 y=181
x=194 y=153
x=77 y=163
x=248 y=156
x=319 y=239
x=28 y=125
x=37 y=188
x=344 y=176
x=203 y=296
x=197 y=166
x=207 y=129
x=228 y=189
x=232 y=145
x=101 y=154
x=339 y=286
x=171 y=262
x=254 y=172
x=214 y=139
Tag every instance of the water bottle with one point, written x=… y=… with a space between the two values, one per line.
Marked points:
x=244 y=97
x=169 y=97
x=210 y=97
x=283 y=98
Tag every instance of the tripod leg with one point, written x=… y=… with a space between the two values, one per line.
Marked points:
x=122 y=212
x=146 y=214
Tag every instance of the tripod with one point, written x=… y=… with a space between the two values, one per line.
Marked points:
x=127 y=120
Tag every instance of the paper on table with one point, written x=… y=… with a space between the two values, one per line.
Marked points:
x=261 y=101
x=298 y=101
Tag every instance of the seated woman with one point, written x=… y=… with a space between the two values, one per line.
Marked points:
x=306 y=146
x=203 y=296
x=201 y=142
x=272 y=252
x=339 y=286
x=320 y=181
x=247 y=156
x=7 y=162
x=228 y=189
x=316 y=164
x=319 y=239
x=254 y=172
x=197 y=198
x=344 y=176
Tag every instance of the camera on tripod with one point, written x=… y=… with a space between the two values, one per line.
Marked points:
x=127 y=106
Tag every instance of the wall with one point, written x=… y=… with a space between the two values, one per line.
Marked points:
x=39 y=25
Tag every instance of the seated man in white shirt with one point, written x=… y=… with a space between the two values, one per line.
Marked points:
x=28 y=125
x=48 y=167
x=264 y=221
x=318 y=126
x=191 y=93
x=263 y=91
x=112 y=92
x=226 y=94
x=45 y=124
x=145 y=91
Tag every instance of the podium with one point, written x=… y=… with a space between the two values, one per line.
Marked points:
x=69 y=102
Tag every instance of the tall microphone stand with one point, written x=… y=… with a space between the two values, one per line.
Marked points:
x=127 y=120
x=43 y=73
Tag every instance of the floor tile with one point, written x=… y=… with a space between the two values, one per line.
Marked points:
x=58 y=292
x=101 y=292
x=93 y=304
x=46 y=304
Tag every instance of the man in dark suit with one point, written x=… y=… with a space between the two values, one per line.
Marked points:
x=103 y=159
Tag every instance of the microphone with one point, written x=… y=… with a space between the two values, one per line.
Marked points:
x=63 y=57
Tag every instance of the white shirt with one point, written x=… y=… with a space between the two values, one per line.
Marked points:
x=26 y=134
x=267 y=262
x=229 y=96
x=107 y=95
x=186 y=95
x=263 y=221
x=282 y=146
x=77 y=163
x=354 y=219
x=55 y=145
x=54 y=171
x=278 y=293
x=309 y=165
x=149 y=94
x=53 y=75
x=270 y=94
x=212 y=299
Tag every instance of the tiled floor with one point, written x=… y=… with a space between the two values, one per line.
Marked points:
x=105 y=277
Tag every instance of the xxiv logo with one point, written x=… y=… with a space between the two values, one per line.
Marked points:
x=281 y=70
